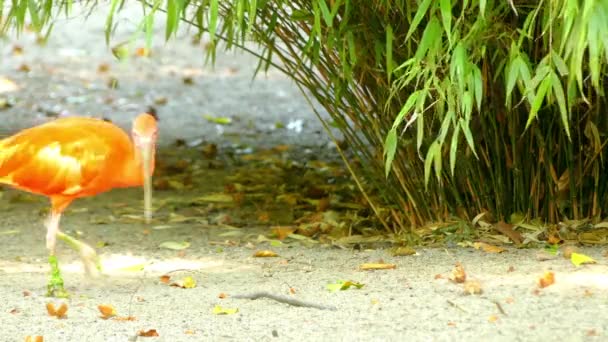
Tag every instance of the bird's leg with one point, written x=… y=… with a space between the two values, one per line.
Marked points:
x=90 y=260
x=55 y=285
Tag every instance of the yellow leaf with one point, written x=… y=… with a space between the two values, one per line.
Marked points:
x=185 y=283
x=486 y=247
x=377 y=266
x=579 y=259
x=265 y=254
x=342 y=285
x=218 y=310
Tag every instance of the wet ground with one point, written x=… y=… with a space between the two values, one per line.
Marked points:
x=212 y=237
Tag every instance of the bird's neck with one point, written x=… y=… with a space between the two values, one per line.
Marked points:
x=134 y=175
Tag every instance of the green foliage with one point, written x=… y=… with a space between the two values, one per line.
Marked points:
x=508 y=94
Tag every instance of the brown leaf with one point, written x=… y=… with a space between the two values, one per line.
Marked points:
x=59 y=312
x=547 y=279
x=472 y=287
x=106 y=310
x=103 y=67
x=507 y=230
x=458 y=274
x=165 y=279
x=283 y=232
x=147 y=333
x=124 y=318
x=486 y=247
x=377 y=266
x=265 y=254
x=222 y=295
x=323 y=204
x=24 y=68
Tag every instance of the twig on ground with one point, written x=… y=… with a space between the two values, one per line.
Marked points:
x=284 y=300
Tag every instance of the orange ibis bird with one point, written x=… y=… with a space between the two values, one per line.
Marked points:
x=77 y=157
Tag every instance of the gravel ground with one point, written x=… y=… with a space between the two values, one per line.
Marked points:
x=414 y=302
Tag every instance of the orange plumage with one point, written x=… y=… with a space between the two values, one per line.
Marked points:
x=75 y=157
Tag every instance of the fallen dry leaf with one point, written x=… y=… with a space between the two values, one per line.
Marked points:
x=60 y=312
x=492 y=318
x=124 y=318
x=458 y=275
x=147 y=333
x=265 y=254
x=472 y=287
x=218 y=310
x=403 y=251
x=107 y=311
x=165 y=279
x=34 y=339
x=579 y=259
x=283 y=232
x=507 y=230
x=185 y=283
x=486 y=247
x=103 y=67
x=377 y=266
x=511 y=269
x=568 y=250
x=222 y=295
x=547 y=279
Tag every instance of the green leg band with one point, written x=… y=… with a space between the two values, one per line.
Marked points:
x=55 y=285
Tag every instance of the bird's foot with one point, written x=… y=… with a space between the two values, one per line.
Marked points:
x=55 y=286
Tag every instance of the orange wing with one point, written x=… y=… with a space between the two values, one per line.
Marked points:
x=70 y=157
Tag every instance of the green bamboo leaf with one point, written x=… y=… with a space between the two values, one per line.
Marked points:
x=438 y=161
x=173 y=11
x=420 y=13
x=512 y=74
x=559 y=63
x=35 y=18
x=595 y=31
x=478 y=85
x=325 y=12
x=558 y=92
x=110 y=19
x=445 y=126
x=317 y=23
x=352 y=51
x=539 y=98
x=454 y=148
x=390 y=148
x=253 y=7
x=446 y=17
x=407 y=107
x=389 y=51
x=482 y=8
x=429 y=160
x=419 y=131
x=431 y=35
x=466 y=130
x=213 y=14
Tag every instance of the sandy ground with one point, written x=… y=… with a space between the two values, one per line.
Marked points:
x=413 y=302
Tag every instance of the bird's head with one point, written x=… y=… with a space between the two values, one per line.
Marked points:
x=144 y=134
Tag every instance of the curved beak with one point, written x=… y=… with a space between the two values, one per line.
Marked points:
x=146 y=146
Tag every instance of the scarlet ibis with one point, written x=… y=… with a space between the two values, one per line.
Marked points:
x=77 y=157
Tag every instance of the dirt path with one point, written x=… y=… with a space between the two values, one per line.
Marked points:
x=414 y=301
